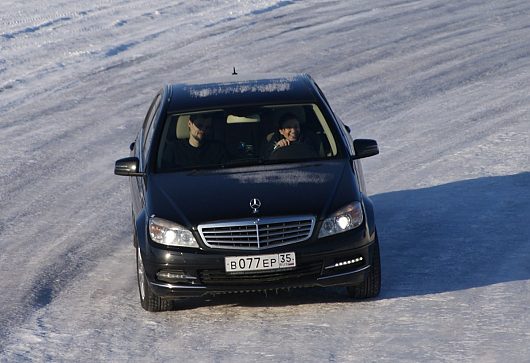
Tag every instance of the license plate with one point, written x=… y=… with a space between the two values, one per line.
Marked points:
x=260 y=262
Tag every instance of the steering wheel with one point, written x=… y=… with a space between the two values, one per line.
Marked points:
x=295 y=150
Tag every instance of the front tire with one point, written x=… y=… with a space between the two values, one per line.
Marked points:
x=372 y=282
x=149 y=300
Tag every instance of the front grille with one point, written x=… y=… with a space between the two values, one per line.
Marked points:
x=257 y=234
x=302 y=274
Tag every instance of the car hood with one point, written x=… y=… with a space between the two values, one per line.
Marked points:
x=202 y=196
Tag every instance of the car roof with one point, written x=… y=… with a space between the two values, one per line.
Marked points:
x=241 y=90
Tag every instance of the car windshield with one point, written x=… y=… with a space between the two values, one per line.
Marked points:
x=245 y=136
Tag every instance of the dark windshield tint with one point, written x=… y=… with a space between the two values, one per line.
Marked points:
x=245 y=136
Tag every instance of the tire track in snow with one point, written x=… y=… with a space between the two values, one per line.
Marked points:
x=35 y=28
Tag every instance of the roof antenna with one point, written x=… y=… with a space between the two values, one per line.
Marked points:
x=234 y=73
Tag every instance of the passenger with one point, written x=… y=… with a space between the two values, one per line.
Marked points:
x=290 y=134
x=198 y=149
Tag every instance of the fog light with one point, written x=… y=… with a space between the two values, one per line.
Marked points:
x=175 y=276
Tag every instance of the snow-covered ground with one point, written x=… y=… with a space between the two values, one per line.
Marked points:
x=442 y=85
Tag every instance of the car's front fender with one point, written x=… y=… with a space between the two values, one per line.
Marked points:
x=370 y=215
x=140 y=230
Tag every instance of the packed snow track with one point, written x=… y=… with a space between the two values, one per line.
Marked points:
x=443 y=86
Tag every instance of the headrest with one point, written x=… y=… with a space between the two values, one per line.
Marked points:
x=182 y=129
x=233 y=119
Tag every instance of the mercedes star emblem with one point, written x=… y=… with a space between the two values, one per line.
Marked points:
x=255 y=204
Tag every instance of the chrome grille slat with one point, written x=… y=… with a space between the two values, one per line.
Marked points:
x=283 y=230
x=247 y=235
x=283 y=227
x=256 y=234
x=280 y=238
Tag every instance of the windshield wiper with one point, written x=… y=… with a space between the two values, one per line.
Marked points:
x=219 y=166
x=250 y=161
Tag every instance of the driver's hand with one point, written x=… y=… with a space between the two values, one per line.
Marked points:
x=281 y=143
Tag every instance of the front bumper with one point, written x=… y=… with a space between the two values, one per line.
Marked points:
x=340 y=260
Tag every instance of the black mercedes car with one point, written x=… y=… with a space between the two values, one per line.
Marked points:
x=248 y=184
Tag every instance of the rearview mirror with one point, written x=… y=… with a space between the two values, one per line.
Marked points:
x=365 y=148
x=128 y=167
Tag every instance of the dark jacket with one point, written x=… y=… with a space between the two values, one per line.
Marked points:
x=182 y=154
x=305 y=147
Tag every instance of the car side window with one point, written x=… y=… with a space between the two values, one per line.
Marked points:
x=148 y=124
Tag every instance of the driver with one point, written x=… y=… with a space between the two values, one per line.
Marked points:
x=289 y=133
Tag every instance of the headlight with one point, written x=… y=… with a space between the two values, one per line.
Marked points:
x=346 y=218
x=170 y=234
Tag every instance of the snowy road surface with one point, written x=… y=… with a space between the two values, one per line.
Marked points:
x=442 y=85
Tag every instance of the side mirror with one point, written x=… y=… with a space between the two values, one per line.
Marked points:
x=128 y=167
x=365 y=148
